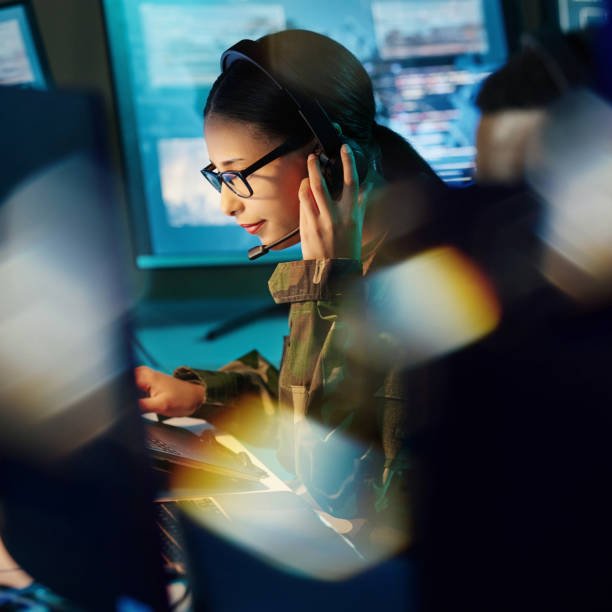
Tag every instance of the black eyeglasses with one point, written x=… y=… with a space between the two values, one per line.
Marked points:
x=236 y=180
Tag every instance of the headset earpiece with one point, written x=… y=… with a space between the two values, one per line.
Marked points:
x=332 y=168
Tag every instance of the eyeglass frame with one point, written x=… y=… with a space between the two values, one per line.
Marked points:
x=288 y=146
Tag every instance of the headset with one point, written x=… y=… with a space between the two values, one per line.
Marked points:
x=317 y=120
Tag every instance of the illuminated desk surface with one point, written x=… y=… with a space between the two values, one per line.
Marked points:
x=272 y=482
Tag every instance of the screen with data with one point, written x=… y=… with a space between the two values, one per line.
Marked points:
x=580 y=14
x=426 y=59
x=21 y=64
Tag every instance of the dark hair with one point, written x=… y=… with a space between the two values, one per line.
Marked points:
x=321 y=68
x=547 y=66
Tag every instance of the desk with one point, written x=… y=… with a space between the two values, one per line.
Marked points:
x=275 y=473
x=173 y=333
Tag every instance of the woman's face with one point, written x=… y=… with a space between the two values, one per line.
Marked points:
x=273 y=209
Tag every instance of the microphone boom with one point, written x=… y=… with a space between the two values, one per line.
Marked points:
x=262 y=249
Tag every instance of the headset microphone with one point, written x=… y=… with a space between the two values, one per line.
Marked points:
x=262 y=249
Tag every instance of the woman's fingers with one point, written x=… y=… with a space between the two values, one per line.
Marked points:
x=319 y=190
x=317 y=182
x=327 y=228
x=142 y=377
x=351 y=180
x=348 y=165
x=308 y=219
x=168 y=395
x=315 y=234
x=157 y=404
x=349 y=170
x=308 y=207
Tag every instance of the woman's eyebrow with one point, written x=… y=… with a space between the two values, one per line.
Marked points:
x=227 y=162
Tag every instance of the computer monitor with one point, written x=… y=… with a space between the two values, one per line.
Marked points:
x=580 y=14
x=165 y=57
x=429 y=28
x=22 y=61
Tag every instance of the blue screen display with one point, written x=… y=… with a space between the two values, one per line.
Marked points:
x=579 y=14
x=426 y=57
x=20 y=64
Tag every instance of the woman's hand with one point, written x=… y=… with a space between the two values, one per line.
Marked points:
x=330 y=228
x=168 y=396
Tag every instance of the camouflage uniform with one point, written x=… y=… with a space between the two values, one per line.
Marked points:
x=338 y=423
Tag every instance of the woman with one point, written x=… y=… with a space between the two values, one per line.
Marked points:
x=339 y=424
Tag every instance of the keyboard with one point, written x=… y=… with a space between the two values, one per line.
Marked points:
x=167 y=517
x=182 y=447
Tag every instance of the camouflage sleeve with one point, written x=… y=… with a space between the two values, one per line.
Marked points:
x=241 y=397
x=313 y=279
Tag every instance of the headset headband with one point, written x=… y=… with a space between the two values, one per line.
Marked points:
x=309 y=109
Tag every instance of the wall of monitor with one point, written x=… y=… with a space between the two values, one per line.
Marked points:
x=77 y=39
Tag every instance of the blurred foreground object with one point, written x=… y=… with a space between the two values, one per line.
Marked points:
x=75 y=509
x=516 y=452
x=60 y=304
x=570 y=166
x=435 y=302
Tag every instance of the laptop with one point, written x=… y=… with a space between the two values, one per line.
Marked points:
x=175 y=447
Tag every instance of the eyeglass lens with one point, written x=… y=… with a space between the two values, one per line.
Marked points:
x=233 y=180
x=236 y=183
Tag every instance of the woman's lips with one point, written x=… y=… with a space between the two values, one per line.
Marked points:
x=253 y=228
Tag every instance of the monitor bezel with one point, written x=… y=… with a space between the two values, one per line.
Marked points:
x=37 y=41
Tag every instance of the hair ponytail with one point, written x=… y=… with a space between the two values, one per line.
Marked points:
x=398 y=160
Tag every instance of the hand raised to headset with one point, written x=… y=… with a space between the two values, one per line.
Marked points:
x=328 y=228
x=168 y=396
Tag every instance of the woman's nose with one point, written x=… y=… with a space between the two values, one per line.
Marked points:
x=231 y=204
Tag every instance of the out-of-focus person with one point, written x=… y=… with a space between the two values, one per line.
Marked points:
x=504 y=294
x=520 y=459
x=515 y=100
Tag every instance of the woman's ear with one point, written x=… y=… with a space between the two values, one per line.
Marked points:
x=338 y=127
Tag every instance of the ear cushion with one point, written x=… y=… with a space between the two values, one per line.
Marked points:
x=333 y=172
